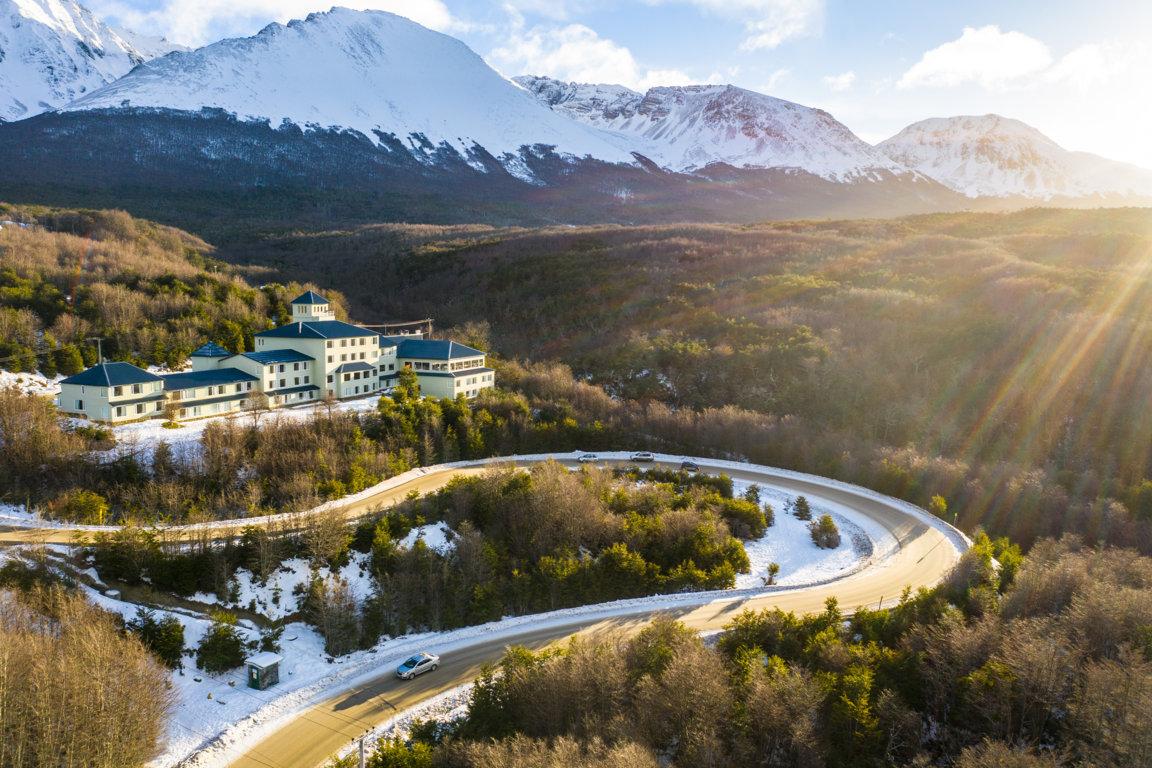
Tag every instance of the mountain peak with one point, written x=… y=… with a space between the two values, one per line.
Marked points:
x=688 y=127
x=369 y=71
x=53 y=51
x=993 y=155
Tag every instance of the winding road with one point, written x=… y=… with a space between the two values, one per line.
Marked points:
x=926 y=549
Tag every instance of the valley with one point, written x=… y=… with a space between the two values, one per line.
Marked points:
x=471 y=384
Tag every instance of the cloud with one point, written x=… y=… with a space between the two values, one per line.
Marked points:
x=767 y=23
x=197 y=22
x=841 y=82
x=986 y=56
x=774 y=80
x=576 y=52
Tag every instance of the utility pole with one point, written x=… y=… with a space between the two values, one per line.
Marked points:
x=361 y=752
x=99 y=348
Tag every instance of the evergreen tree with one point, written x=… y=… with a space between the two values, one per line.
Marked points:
x=68 y=359
x=802 y=509
x=223 y=648
x=164 y=637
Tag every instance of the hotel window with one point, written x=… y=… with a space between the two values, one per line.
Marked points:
x=136 y=389
x=281 y=369
x=295 y=366
x=140 y=408
x=159 y=406
x=119 y=411
x=271 y=369
x=79 y=405
x=307 y=379
x=343 y=358
x=343 y=342
x=117 y=391
x=331 y=358
x=249 y=386
x=296 y=381
x=283 y=383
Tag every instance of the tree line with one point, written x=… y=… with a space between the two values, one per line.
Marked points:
x=1042 y=662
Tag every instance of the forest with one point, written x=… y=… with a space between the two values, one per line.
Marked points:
x=151 y=293
x=998 y=360
x=1040 y=663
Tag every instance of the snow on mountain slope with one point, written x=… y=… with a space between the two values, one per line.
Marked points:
x=365 y=70
x=54 y=51
x=689 y=127
x=994 y=156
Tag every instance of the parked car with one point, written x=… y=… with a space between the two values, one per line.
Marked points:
x=689 y=466
x=643 y=456
x=417 y=665
x=588 y=458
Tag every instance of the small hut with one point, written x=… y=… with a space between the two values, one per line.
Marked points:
x=264 y=670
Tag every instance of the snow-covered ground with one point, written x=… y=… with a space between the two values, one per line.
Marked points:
x=789 y=543
x=31 y=383
x=140 y=438
x=282 y=594
x=436 y=536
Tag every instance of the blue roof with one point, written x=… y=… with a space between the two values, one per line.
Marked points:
x=431 y=349
x=455 y=374
x=193 y=379
x=278 y=356
x=309 y=297
x=211 y=349
x=317 y=329
x=294 y=390
x=112 y=375
x=357 y=366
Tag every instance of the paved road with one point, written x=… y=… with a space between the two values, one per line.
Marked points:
x=924 y=555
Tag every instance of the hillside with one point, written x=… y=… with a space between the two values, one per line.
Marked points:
x=956 y=351
x=152 y=293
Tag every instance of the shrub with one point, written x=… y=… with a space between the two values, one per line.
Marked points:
x=79 y=506
x=825 y=533
x=222 y=648
x=164 y=636
x=801 y=508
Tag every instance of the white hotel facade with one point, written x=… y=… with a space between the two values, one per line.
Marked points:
x=308 y=359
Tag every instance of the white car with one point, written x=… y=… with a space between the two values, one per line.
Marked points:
x=588 y=458
x=643 y=456
x=417 y=665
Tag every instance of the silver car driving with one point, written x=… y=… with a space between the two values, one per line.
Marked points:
x=417 y=664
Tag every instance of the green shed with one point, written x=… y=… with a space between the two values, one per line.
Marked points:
x=264 y=670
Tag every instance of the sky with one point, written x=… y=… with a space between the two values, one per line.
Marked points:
x=1079 y=71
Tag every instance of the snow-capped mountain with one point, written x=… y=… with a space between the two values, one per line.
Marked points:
x=994 y=156
x=686 y=128
x=55 y=51
x=372 y=72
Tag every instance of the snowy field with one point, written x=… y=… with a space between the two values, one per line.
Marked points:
x=789 y=543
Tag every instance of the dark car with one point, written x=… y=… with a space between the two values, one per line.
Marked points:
x=689 y=466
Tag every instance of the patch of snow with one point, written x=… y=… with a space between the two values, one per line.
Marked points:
x=283 y=592
x=437 y=537
x=31 y=383
x=789 y=543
